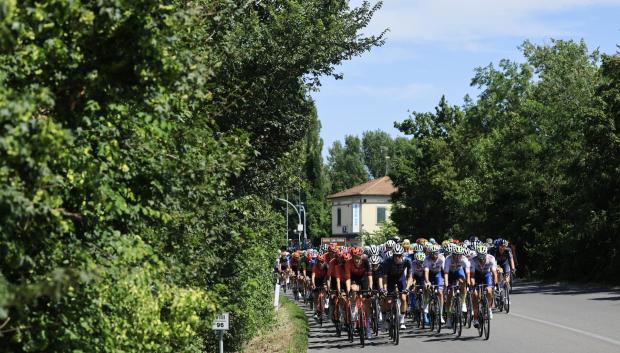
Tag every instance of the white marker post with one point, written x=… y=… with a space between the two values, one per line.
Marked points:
x=221 y=323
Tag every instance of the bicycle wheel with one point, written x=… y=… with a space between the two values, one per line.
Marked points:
x=458 y=325
x=507 y=300
x=432 y=313
x=375 y=317
x=470 y=310
x=487 y=321
x=500 y=300
x=439 y=315
x=480 y=321
x=397 y=323
x=361 y=319
x=455 y=309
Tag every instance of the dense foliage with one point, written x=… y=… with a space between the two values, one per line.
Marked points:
x=534 y=159
x=141 y=145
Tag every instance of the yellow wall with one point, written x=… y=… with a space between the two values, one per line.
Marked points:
x=368 y=212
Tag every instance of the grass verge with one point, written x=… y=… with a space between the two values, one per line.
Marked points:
x=288 y=335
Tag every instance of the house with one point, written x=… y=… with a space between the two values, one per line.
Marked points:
x=362 y=208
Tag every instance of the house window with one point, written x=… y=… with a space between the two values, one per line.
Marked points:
x=380 y=215
x=339 y=217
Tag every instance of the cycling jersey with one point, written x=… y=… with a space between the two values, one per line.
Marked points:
x=295 y=264
x=284 y=262
x=456 y=269
x=396 y=273
x=483 y=274
x=358 y=274
x=417 y=270
x=502 y=259
x=336 y=270
x=319 y=270
x=434 y=266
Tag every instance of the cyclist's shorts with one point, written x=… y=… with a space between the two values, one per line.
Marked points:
x=401 y=282
x=360 y=281
x=375 y=283
x=505 y=266
x=419 y=280
x=319 y=281
x=484 y=278
x=343 y=285
x=436 y=279
x=453 y=276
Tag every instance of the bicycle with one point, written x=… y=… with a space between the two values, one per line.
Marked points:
x=376 y=310
x=359 y=314
x=484 y=320
x=457 y=316
x=394 y=315
x=335 y=312
x=435 y=311
x=418 y=309
x=469 y=316
x=320 y=309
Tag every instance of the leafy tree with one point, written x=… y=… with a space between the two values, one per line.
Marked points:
x=346 y=164
x=377 y=147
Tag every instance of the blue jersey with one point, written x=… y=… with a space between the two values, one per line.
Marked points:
x=395 y=271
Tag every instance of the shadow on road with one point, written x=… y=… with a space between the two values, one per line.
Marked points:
x=560 y=289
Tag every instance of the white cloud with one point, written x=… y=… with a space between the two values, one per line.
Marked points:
x=451 y=21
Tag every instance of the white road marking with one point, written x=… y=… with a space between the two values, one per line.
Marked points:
x=585 y=333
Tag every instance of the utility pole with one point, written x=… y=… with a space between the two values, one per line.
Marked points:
x=287 y=220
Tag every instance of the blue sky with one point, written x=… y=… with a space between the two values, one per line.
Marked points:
x=433 y=47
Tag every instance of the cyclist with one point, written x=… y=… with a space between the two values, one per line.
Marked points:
x=295 y=268
x=456 y=271
x=307 y=265
x=335 y=280
x=389 y=246
x=283 y=266
x=418 y=279
x=396 y=271
x=407 y=246
x=319 y=273
x=358 y=276
x=433 y=274
x=503 y=256
x=486 y=274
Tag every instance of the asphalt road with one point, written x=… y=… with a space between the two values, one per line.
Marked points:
x=543 y=318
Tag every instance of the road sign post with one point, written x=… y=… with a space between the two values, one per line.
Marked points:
x=221 y=323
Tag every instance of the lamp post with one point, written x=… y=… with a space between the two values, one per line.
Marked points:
x=300 y=226
x=303 y=209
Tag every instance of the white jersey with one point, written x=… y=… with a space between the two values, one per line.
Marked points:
x=489 y=264
x=436 y=265
x=452 y=266
x=471 y=259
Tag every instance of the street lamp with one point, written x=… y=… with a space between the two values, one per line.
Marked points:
x=300 y=226
x=303 y=209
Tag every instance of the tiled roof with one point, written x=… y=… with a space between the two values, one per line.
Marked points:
x=381 y=186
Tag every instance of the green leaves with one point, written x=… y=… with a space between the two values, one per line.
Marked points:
x=522 y=161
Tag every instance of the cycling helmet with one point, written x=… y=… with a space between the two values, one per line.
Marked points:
x=389 y=253
x=398 y=250
x=417 y=248
x=296 y=255
x=375 y=260
x=309 y=255
x=381 y=248
x=357 y=251
x=339 y=253
x=432 y=241
x=406 y=243
x=445 y=243
x=366 y=249
x=396 y=239
x=419 y=256
x=482 y=250
x=390 y=244
x=347 y=257
x=331 y=247
x=423 y=241
x=315 y=253
x=374 y=250
x=466 y=243
x=428 y=246
x=458 y=250
x=435 y=249
x=324 y=247
x=498 y=242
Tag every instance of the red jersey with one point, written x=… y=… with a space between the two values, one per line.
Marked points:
x=336 y=270
x=319 y=270
x=357 y=271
